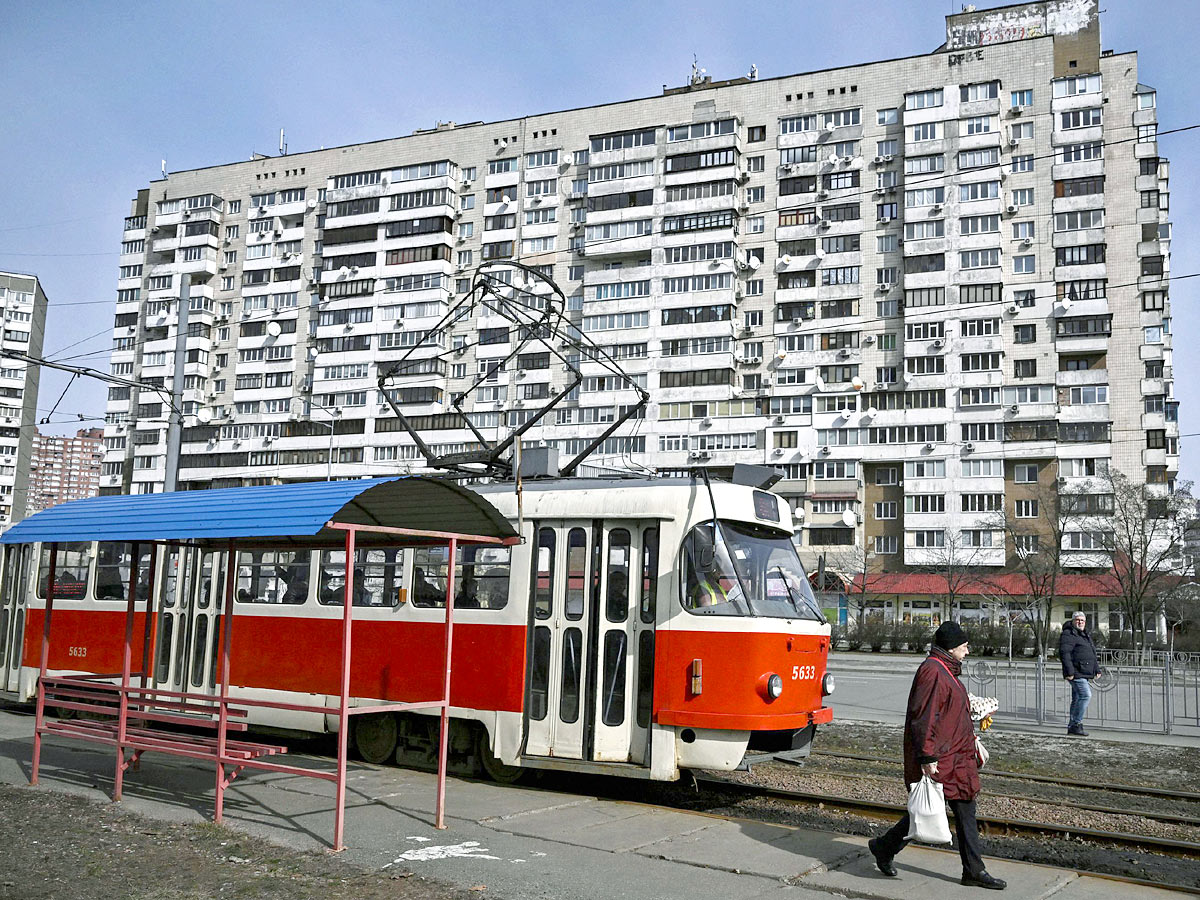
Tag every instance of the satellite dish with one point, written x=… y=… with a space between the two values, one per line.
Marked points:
x=754 y=263
x=312 y=352
x=908 y=377
x=781 y=355
x=204 y=415
x=871 y=412
x=785 y=260
x=857 y=383
x=799 y=514
x=819 y=384
x=504 y=198
x=274 y=329
x=849 y=519
x=820 y=253
x=833 y=158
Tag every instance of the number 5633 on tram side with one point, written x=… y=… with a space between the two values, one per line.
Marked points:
x=640 y=628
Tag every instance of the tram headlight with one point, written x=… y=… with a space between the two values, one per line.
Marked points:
x=770 y=686
x=827 y=684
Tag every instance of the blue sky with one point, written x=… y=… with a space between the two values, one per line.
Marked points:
x=94 y=95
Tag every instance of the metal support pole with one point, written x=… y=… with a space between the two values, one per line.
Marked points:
x=40 y=713
x=126 y=665
x=223 y=706
x=175 y=419
x=1168 y=700
x=444 y=731
x=1040 y=686
x=339 y=820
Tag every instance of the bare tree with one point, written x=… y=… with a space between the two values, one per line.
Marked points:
x=1148 y=526
x=958 y=567
x=1035 y=527
x=855 y=564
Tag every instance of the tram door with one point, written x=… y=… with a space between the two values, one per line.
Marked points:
x=585 y=680
x=13 y=583
x=188 y=627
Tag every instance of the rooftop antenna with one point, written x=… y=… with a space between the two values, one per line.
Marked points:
x=282 y=144
x=164 y=168
x=753 y=72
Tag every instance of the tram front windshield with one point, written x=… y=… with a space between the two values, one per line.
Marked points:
x=736 y=569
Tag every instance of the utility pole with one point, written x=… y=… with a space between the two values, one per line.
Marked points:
x=175 y=419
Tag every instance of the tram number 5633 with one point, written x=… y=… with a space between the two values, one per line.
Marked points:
x=803 y=673
x=77 y=651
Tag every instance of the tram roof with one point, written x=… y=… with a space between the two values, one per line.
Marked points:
x=298 y=512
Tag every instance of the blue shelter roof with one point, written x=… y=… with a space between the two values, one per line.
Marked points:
x=289 y=511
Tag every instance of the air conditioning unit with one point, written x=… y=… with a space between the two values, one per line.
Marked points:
x=778 y=420
x=879 y=160
x=939 y=344
x=1012 y=209
x=795 y=320
x=744 y=207
x=821 y=195
x=1026 y=243
x=1016 y=111
x=278 y=234
x=936 y=208
x=743 y=177
x=869 y=339
x=968 y=448
x=879 y=192
x=1015 y=408
x=766 y=381
x=575 y=226
x=928 y=447
x=154 y=230
x=262 y=210
x=706 y=421
x=187 y=214
x=1013 y=310
x=747 y=330
x=885 y=220
x=1014 y=142
x=888 y=157
x=825 y=451
x=778 y=451
x=825 y=223
x=843 y=353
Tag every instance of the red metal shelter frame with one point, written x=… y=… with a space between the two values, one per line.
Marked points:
x=142 y=705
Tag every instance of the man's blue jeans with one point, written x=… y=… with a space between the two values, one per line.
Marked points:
x=1081 y=696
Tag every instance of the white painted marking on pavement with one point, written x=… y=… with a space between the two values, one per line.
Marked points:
x=465 y=850
x=413 y=837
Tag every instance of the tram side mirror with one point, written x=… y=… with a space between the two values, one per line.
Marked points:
x=706 y=559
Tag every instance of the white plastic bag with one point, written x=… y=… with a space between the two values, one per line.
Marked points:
x=981 y=754
x=927 y=817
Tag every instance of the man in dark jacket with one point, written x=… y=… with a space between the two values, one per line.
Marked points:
x=1077 y=653
x=939 y=741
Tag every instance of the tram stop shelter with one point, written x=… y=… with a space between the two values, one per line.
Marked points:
x=125 y=711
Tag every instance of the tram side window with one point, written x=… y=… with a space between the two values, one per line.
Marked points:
x=273 y=576
x=649 y=574
x=543 y=588
x=539 y=679
x=620 y=552
x=576 y=572
x=480 y=577
x=71 y=572
x=113 y=562
x=378 y=573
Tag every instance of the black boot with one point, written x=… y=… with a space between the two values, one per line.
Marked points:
x=1078 y=730
x=983 y=880
x=883 y=863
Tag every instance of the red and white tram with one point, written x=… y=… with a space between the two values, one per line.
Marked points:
x=641 y=627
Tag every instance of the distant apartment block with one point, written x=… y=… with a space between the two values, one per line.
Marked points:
x=923 y=289
x=23 y=306
x=65 y=468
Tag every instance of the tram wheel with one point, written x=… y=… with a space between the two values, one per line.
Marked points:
x=496 y=770
x=375 y=737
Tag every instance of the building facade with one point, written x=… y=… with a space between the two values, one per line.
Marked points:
x=925 y=289
x=23 y=305
x=64 y=468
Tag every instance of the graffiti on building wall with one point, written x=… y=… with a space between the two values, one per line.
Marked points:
x=1022 y=23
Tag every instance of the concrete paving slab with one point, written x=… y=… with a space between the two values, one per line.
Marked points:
x=928 y=872
x=771 y=851
x=602 y=825
x=1087 y=887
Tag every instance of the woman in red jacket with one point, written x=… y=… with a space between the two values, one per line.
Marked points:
x=939 y=741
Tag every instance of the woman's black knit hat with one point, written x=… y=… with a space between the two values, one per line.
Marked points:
x=949 y=635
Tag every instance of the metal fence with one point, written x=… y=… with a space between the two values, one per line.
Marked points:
x=1164 y=698
x=1148 y=657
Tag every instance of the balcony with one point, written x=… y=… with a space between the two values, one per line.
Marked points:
x=1077 y=379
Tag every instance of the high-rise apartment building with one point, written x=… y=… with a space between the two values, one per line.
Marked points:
x=64 y=468
x=923 y=288
x=23 y=306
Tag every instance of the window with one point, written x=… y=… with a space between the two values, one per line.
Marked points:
x=1019 y=99
x=917 y=165
x=1024 y=473
x=1024 y=368
x=989 y=90
x=1022 y=197
x=756 y=133
x=926 y=132
x=1023 y=163
x=932 y=538
x=1079 y=84
x=978 y=190
x=886 y=509
x=1024 y=265
x=1081 y=152
x=887 y=116
x=979 y=259
x=977 y=125
x=885 y=544
x=923 y=99
x=1081 y=118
